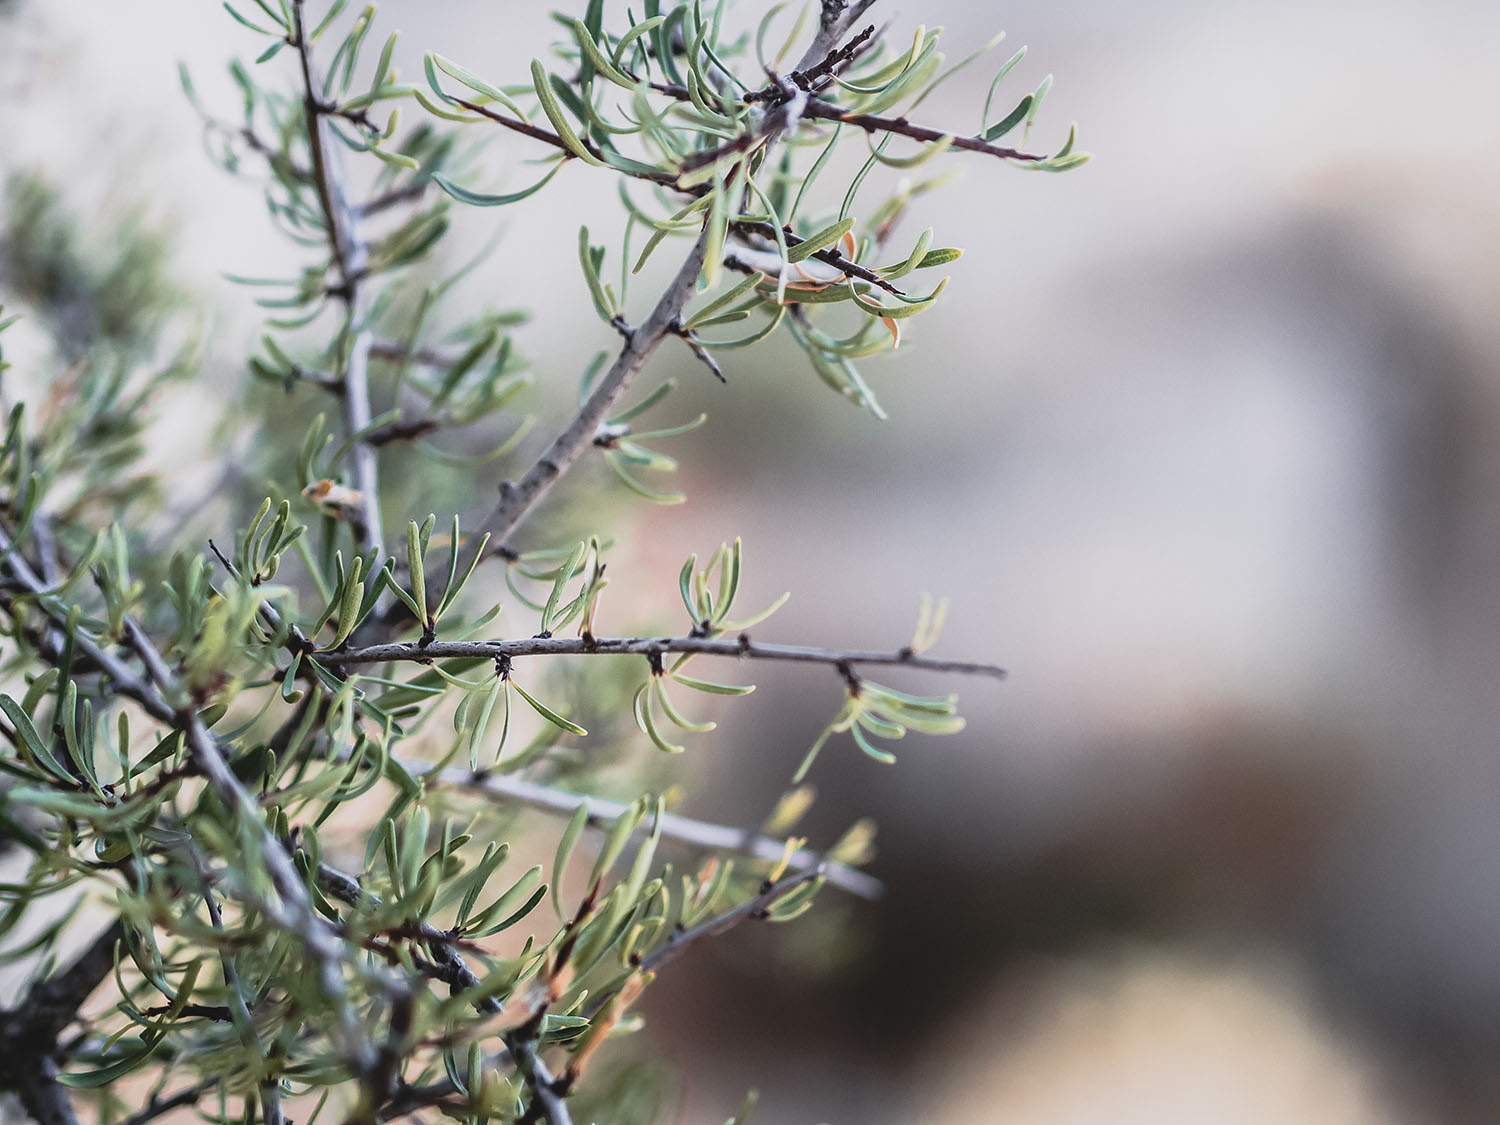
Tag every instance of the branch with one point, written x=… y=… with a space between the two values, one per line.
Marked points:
x=518 y=498
x=450 y=966
x=690 y=338
x=826 y=111
x=698 y=833
x=398 y=350
x=244 y=1022
x=51 y=644
x=53 y=1003
x=546 y=136
x=29 y=1053
x=410 y=193
x=295 y=911
x=158 y=1106
x=742 y=647
x=276 y=158
x=351 y=259
x=41 y=1094
x=757 y=907
x=828 y=256
x=680 y=942
x=546 y=1101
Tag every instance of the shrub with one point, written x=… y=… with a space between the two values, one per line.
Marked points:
x=272 y=788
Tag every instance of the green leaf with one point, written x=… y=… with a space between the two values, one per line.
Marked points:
x=350 y=600
x=547 y=713
x=1010 y=120
x=675 y=715
x=565 y=847
x=614 y=840
x=242 y=20
x=590 y=259
x=940 y=257
x=647 y=722
x=479 y=199
x=595 y=58
x=823 y=239
x=631 y=36
x=612 y=459
x=333 y=14
x=564 y=576
x=711 y=687
x=989 y=96
x=31 y=741
x=885 y=757
x=473 y=82
x=525 y=889
x=515 y=916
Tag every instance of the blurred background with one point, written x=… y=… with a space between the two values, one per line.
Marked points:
x=1202 y=444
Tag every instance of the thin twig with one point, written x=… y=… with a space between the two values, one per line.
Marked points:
x=244 y=1022
x=828 y=256
x=757 y=907
x=397 y=350
x=450 y=965
x=681 y=941
x=408 y=193
x=158 y=1106
x=741 y=646
x=517 y=498
x=548 y=1104
x=601 y=810
x=686 y=830
x=870 y=123
x=546 y=136
x=690 y=338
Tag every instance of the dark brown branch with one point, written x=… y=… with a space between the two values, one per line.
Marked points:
x=741 y=646
x=408 y=193
x=53 y=1003
x=402 y=429
x=397 y=350
x=158 y=1106
x=690 y=338
x=30 y=1058
x=826 y=111
x=757 y=907
x=831 y=63
x=546 y=136
x=828 y=256
x=820 y=110
x=448 y=963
